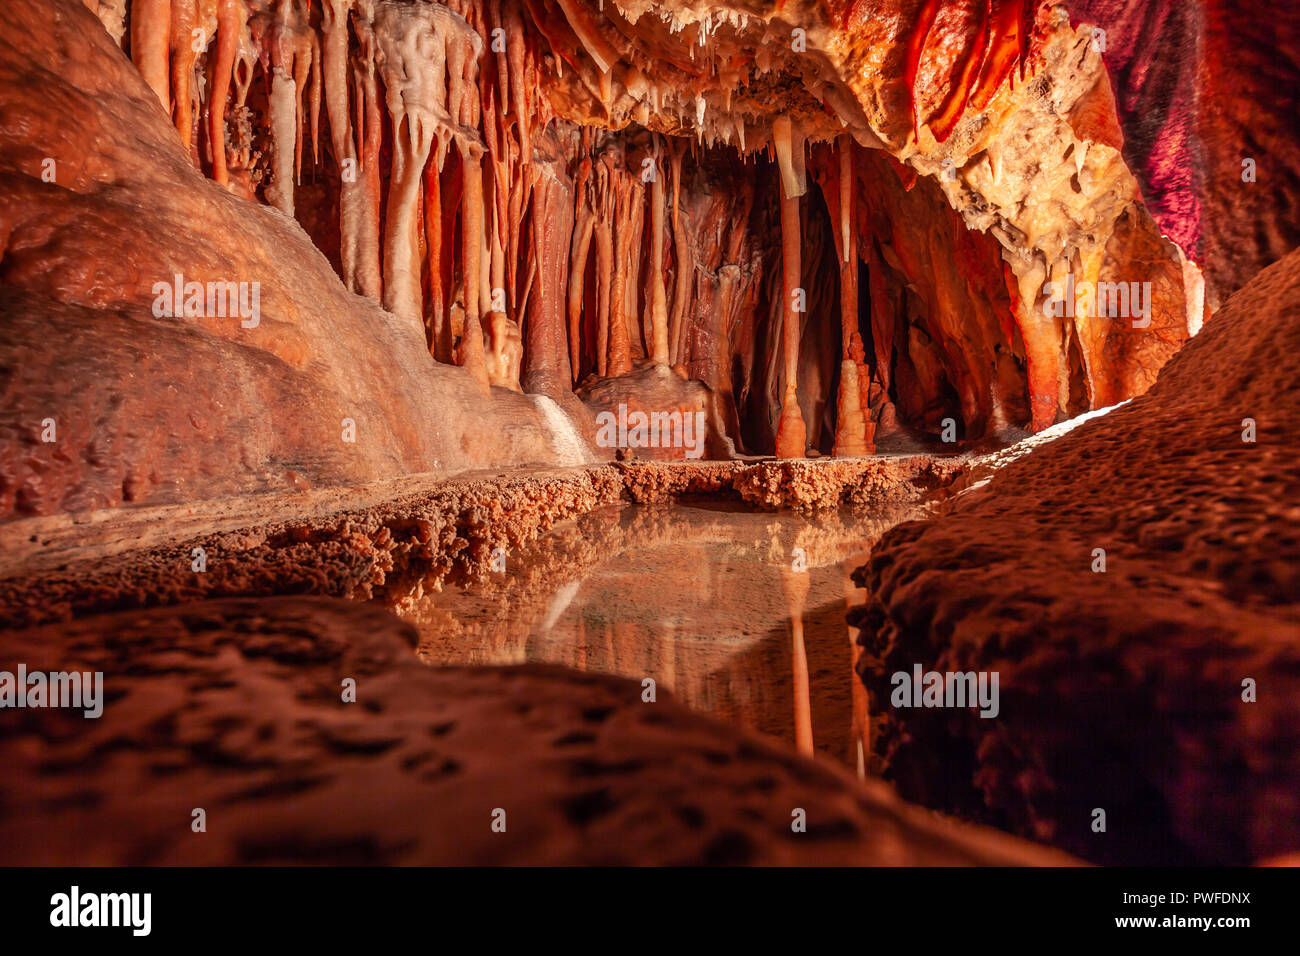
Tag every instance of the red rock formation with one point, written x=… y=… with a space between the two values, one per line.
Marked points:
x=292 y=382
x=1137 y=668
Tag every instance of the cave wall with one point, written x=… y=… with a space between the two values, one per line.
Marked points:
x=549 y=192
x=1200 y=89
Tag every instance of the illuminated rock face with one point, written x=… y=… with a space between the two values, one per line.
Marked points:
x=263 y=374
x=850 y=220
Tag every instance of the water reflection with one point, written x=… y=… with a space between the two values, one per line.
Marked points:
x=737 y=613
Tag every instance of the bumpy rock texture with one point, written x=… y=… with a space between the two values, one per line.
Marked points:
x=235 y=707
x=1121 y=690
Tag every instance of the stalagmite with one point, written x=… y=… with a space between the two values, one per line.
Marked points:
x=685 y=266
x=849 y=424
x=791 y=435
x=658 y=295
x=150 y=46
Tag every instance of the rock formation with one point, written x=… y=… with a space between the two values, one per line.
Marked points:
x=1130 y=581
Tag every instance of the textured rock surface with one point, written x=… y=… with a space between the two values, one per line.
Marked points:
x=159 y=410
x=235 y=707
x=1121 y=690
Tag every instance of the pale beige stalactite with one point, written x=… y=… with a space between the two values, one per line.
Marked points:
x=412 y=61
x=334 y=54
x=151 y=44
x=791 y=435
x=282 y=42
x=658 y=294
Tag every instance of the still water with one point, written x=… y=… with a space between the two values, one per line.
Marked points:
x=737 y=613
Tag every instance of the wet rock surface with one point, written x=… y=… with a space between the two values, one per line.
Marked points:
x=1120 y=690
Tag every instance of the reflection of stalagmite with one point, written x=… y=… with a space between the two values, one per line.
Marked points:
x=795 y=585
x=791 y=435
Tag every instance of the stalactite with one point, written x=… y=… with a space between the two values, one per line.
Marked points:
x=150 y=46
x=283 y=137
x=302 y=72
x=791 y=435
x=604 y=260
x=471 y=354
x=184 y=21
x=370 y=133
x=685 y=265
x=581 y=250
x=658 y=295
x=547 y=356
x=230 y=20
x=284 y=108
x=436 y=301
x=417 y=87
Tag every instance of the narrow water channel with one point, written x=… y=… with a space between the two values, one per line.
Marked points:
x=737 y=613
